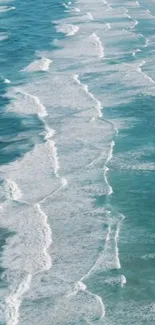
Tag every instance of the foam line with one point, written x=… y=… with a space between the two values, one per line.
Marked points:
x=48 y=134
x=80 y=286
x=116 y=244
x=66 y=6
x=53 y=149
x=111 y=243
x=135 y=23
x=110 y=152
x=14 y=300
x=6 y=8
x=98 y=105
x=107 y=5
x=94 y=266
x=63 y=182
x=139 y=69
x=123 y=280
x=126 y=13
x=97 y=42
x=41 y=108
x=137 y=50
x=48 y=236
x=110 y=190
x=106 y=169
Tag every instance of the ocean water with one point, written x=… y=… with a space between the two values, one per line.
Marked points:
x=77 y=170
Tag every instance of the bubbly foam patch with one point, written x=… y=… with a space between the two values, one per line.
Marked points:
x=38 y=65
x=67 y=29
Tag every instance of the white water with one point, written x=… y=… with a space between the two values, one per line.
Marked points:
x=12 y=190
x=13 y=301
x=98 y=105
x=136 y=51
x=6 y=8
x=38 y=65
x=139 y=69
x=48 y=236
x=7 y=81
x=97 y=42
x=67 y=29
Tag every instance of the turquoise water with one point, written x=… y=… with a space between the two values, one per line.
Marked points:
x=77 y=230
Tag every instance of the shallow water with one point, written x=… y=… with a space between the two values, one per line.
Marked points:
x=77 y=86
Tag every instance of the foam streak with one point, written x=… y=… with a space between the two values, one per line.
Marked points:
x=14 y=300
x=98 y=105
x=97 y=42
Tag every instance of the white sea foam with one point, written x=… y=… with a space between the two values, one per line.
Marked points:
x=38 y=65
x=3 y=36
x=123 y=280
x=116 y=245
x=110 y=190
x=53 y=150
x=146 y=42
x=98 y=105
x=7 y=81
x=65 y=5
x=126 y=13
x=14 y=300
x=40 y=108
x=81 y=286
x=64 y=182
x=107 y=26
x=12 y=190
x=76 y=9
x=109 y=258
x=106 y=169
x=89 y=15
x=137 y=3
x=47 y=236
x=97 y=42
x=107 y=5
x=49 y=133
x=67 y=29
x=110 y=152
x=114 y=281
x=139 y=69
x=134 y=24
x=6 y=8
x=136 y=51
